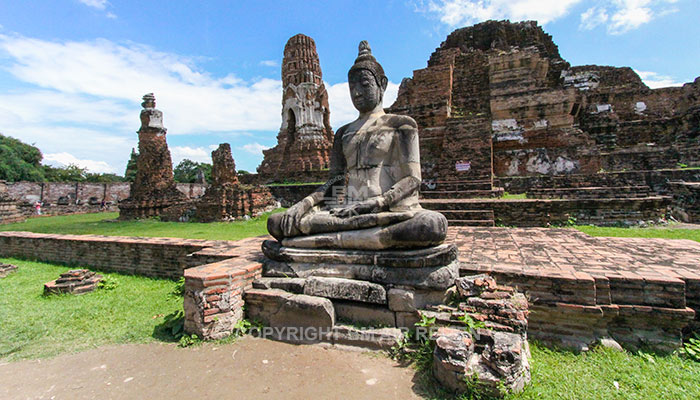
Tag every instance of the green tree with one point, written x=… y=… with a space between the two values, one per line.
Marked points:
x=20 y=161
x=130 y=173
x=103 y=178
x=69 y=173
x=186 y=171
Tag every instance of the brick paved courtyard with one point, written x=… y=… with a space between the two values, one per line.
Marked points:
x=581 y=287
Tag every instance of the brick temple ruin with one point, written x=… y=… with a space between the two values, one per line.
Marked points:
x=227 y=199
x=153 y=192
x=305 y=138
x=498 y=107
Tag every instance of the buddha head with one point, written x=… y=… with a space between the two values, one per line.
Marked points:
x=367 y=80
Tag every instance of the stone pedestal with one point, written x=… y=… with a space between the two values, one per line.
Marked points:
x=349 y=297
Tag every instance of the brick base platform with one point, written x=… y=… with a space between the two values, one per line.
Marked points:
x=641 y=292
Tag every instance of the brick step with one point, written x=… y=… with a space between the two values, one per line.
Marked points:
x=448 y=204
x=470 y=215
x=457 y=185
x=461 y=194
x=602 y=192
x=466 y=222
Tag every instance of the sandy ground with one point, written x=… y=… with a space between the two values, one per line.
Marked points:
x=250 y=368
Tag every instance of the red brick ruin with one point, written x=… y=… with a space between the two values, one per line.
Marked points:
x=497 y=106
x=153 y=192
x=499 y=98
x=305 y=138
x=226 y=198
x=9 y=207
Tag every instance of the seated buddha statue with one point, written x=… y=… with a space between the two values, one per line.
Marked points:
x=370 y=201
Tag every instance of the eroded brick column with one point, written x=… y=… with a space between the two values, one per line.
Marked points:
x=214 y=296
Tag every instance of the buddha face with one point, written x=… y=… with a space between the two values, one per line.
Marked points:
x=365 y=92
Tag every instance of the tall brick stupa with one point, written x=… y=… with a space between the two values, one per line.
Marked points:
x=153 y=192
x=305 y=138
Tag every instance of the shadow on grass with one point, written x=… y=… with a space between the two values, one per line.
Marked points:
x=171 y=329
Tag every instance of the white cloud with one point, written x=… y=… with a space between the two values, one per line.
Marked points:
x=593 y=17
x=269 y=63
x=64 y=159
x=83 y=98
x=342 y=110
x=655 y=80
x=467 y=12
x=111 y=15
x=621 y=16
x=192 y=100
x=198 y=154
x=254 y=148
x=98 y=4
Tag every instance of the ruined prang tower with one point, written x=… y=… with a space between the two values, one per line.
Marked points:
x=153 y=192
x=305 y=138
x=227 y=199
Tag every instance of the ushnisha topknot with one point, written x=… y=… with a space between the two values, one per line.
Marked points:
x=365 y=60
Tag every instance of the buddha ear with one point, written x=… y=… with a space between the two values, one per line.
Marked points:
x=384 y=81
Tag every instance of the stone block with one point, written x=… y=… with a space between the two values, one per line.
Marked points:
x=277 y=308
x=435 y=256
x=292 y=285
x=360 y=313
x=401 y=300
x=430 y=278
x=345 y=289
x=407 y=320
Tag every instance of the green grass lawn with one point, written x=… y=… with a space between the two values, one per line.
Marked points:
x=36 y=326
x=105 y=224
x=662 y=232
x=592 y=375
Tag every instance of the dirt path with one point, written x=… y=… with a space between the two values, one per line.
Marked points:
x=250 y=368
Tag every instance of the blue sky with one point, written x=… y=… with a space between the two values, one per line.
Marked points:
x=72 y=72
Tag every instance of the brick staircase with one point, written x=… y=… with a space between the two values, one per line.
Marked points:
x=465 y=189
x=603 y=192
x=461 y=212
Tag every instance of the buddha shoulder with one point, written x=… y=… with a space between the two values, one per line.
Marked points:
x=400 y=122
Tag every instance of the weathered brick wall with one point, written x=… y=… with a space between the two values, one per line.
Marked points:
x=686 y=201
x=602 y=212
x=155 y=257
x=657 y=180
x=288 y=195
x=9 y=211
x=546 y=212
x=61 y=198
